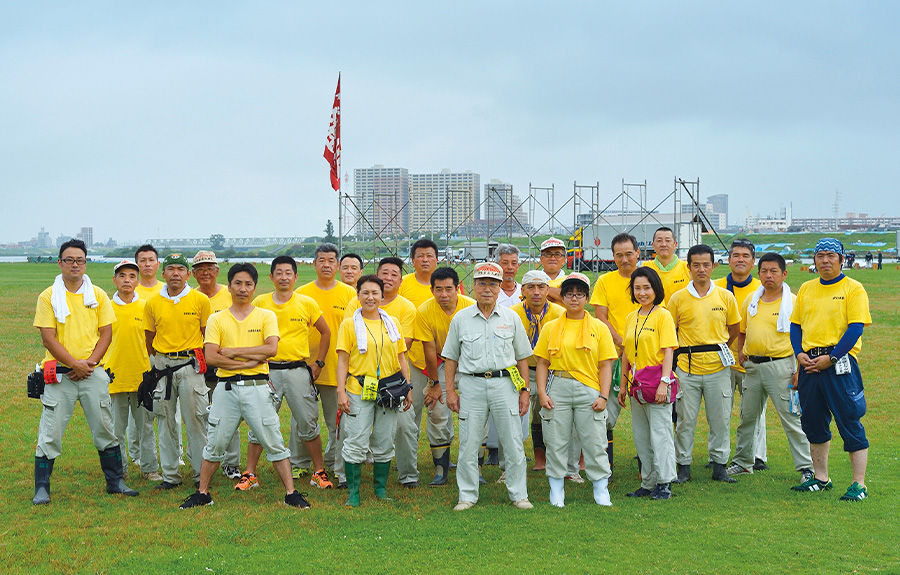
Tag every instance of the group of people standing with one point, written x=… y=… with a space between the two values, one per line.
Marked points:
x=377 y=352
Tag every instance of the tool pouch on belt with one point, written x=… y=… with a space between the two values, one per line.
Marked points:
x=147 y=387
x=35 y=384
x=392 y=390
x=50 y=372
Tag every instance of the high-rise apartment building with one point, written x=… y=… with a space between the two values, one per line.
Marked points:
x=719 y=205
x=443 y=202
x=382 y=199
x=87 y=236
x=503 y=211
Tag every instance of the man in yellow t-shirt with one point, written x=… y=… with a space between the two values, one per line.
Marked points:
x=174 y=322
x=238 y=342
x=740 y=282
x=75 y=320
x=127 y=359
x=147 y=259
x=706 y=316
x=672 y=271
x=351 y=267
x=432 y=323
x=553 y=259
x=771 y=370
x=333 y=297
x=826 y=336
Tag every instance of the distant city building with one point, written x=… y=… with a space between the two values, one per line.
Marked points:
x=87 y=236
x=503 y=211
x=850 y=221
x=61 y=239
x=43 y=239
x=382 y=200
x=719 y=205
x=442 y=202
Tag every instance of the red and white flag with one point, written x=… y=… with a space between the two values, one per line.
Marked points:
x=333 y=143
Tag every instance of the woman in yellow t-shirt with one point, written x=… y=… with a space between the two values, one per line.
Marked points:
x=579 y=350
x=370 y=348
x=650 y=341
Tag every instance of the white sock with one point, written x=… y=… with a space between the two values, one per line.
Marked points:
x=601 y=493
x=557 y=491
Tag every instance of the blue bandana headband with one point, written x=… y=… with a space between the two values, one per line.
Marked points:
x=830 y=245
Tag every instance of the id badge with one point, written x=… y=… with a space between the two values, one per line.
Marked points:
x=518 y=382
x=370 y=388
x=725 y=355
x=842 y=367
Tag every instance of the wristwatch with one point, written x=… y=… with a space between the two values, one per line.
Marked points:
x=833 y=359
x=320 y=363
x=666 y=379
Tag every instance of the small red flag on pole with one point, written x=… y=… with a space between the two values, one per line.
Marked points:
x=333 y=143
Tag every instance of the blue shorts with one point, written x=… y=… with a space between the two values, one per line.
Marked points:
x=826 y=394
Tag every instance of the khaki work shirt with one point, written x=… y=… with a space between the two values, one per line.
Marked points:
x=483 y=344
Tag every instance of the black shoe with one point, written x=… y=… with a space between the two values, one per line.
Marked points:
x=721 y=474
x=759 y=465
x=639 y=492
x=481 y=479
x=196 y=499
x=410 y=484
x=296 y=499
x=493 y=457
x=684 y=473
x=709 y=465
x=341 y=485
x=662 y=491
x=165 y=486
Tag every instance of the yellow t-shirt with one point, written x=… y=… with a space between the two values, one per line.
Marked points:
x=177 y=327
x=611 y=291
x=381 y=357
x=554 y=310
x=296 y=319
x=79 y=334
x=432 y=324
x=225 y=330
x=146 y=293
x=652 y=336
x=411 y=289
x=825 y=311
x=581 y=363
x=404 y=310
x=673 y=280
x=558 y=280
x=702 y=321
x=741 y=294
x=127 y=354
x=220 y=301
x=762 y=336
x=332 y=302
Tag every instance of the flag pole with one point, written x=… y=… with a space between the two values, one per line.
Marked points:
x=340 y=199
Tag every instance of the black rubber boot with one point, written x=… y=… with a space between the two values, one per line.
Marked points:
x=441 y=457
x=684 y=473
x=721 y=474
x=111 y=464
x=493 y=456
x=43 y=468
x=609 y=447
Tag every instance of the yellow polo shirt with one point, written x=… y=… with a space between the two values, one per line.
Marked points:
x=554 y=310
x=148 y=293
x=382 y=355
x=825 y=311
x=79 y=334
x=225 y=330
x=404 y=310
x=741 y=294
x=178 y=326
x=652 y=337
x=220 y=301
x=432 y=323
x=580 y=362
x=332 y=302
x=558 y=280
x=417 y=293
x=673 y=280
x=762 y=335
x=702 y=321
x=611 y=291
x=127 y=354
x=296 y=319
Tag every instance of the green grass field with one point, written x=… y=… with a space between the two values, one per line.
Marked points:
x=754 y=526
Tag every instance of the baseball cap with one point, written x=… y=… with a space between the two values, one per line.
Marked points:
x=489 y=270
x=535 y=277
x=829 y=245
x=126 y=263
x=552 y=243
x=205 y=257
x=175 y=260
x=579 y=278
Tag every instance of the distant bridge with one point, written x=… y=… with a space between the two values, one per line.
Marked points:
x=189 y=243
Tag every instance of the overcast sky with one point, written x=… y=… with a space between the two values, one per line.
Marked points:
x=189 y=119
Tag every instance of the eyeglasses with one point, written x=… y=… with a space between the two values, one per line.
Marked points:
x=70 y=261
x=575 y=295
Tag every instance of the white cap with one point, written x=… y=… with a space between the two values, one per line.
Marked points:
x=578 y=277
x=204 y=257
x=488 y=270
x=126 y=263
x=535 y=277
x=553 y=243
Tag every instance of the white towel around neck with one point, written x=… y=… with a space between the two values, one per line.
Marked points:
x=693 y=291
x=58 y=297
x=174 y=298
x=783 y=325
x=359 y=325
x=120 y=301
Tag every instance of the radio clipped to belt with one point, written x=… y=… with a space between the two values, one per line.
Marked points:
x=517 y=380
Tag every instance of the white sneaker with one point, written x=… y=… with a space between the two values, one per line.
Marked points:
x=502 y=478
x=463 y=505
x=575 y=478
x=231 y=472
x=153 y=476
x=523 y=504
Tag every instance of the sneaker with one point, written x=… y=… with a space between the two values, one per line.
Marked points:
x=502 y=478
x=165 y=485
x=231 y=472
x=153 y=476
x=523 y=504
x=662 y=491
x=297 y=499
x=196 y=500
x=806 y=474
x=248 y=481
x=464 y=505
x=759 y=465
x=855 y=492
x=299 y=472
x=320 y=479
x=735 y=469
x=575 y=478
x=813 y=484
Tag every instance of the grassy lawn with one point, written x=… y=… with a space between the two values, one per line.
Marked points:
x=754 y=526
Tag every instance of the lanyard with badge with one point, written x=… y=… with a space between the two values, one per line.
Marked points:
x=370 y=384
x=637 y=335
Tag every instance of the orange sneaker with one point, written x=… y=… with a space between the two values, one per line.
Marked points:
x=248 y=481
x=320 y=479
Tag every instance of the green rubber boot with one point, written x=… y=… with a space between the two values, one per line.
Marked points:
x=380 y=473
x=353 y=472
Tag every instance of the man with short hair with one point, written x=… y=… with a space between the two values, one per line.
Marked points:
x=174 y=324
x=826 y=336
x=333 y=297
x=764 y=348
x=147 y=259
x=238 y=342
x=740 y=282
x=351 y=267
x=484 y=342
x=707 y=320
x=553 y=259
x=292 y=370
x=432 y=323
x=75 y=321
x=510 y=289
x=672 y=271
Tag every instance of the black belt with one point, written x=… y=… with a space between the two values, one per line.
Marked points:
x=691 y=349
x=262 y=378
x=62 y=369
x=490 y=374
x=817 y=351
x=185 y=354
x=765 y=358
x=286 y=364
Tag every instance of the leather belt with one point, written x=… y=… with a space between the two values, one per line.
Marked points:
x=765 y=358
x=244 y=380
x=186 y=354
x=490 y=374
x=286 y=364
x=817 y=351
